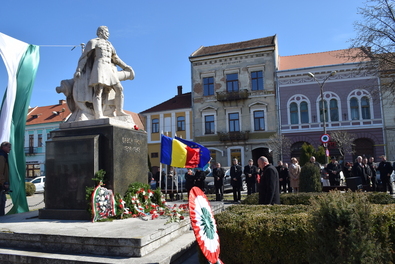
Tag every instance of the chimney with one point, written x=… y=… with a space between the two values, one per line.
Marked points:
x=62 y=101
x=179 y=90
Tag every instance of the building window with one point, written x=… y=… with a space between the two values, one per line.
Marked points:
x=48 y=136
x=334 y=110
x=259 y=121
x=256 y=80
x=155 y=125
x=31 y=141
x=208 y=86
x=234 y=123
x=304 y=112
x=354 y=109
x=180 y=123
x=209 y=124
x=365 y=107
x=154 y=155
x=232 y=82
x=293 y=112
x=40 y=140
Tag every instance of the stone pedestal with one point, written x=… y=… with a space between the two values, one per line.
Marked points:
x=77 y=151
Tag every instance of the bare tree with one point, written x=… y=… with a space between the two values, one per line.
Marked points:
x=279 y=144
x=344 y=141
x=375 y=41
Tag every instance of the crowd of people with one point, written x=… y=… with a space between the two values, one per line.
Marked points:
x=270 y=181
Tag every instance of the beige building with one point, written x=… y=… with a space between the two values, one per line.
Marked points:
x=172 y=118
x=233 y=98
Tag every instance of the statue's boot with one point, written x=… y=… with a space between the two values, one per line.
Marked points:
x=118 y=100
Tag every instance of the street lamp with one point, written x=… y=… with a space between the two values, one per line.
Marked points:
x=321 y=84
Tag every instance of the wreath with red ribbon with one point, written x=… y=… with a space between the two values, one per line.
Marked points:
x=203 y=224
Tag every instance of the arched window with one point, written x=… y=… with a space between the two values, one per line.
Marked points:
x=304 y=112
x=299 y=112
x=293 y=112
x=354 y=109
x=365 y=107
x=360 y=105
x=334 y=110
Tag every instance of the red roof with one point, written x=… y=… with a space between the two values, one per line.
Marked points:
x=48 y=114
x=317 y=59
x=60 y=112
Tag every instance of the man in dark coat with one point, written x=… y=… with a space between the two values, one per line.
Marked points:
x=200 y=177
x=386 y=169
x=250 y=171
x=373 y=168
x=358 y=170
x=268 y=187
x=235 y=180
x=5 y=148
x=333 y=169
x=189 y=180
x=219 y=174
x=283 y=175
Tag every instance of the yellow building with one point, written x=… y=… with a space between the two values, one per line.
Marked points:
x=172 y=118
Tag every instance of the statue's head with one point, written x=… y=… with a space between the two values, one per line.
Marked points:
x=103 y=32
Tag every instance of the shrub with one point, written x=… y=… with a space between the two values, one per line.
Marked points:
x=30 y=188
x=264 y=233
x=344 y=231
x=310 y=178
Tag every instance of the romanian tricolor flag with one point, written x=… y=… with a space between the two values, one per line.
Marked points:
x=204 y=153
x=177 y=154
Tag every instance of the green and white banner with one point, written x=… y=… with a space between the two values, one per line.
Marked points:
x=21 y=61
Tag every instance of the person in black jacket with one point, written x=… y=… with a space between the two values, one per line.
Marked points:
x=219 y=174
x=283 y=175
x=250 y=172
x=235 y=180
x=358 y=171
x=373 y=169
x=200 y=176
x=385 y=169
x=268 y=187
x=189 y=180
x=333 y=169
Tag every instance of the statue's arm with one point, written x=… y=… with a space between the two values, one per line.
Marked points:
x=84 y=57
x=117 y=61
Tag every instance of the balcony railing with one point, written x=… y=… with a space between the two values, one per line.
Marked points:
x=233 y=96
x=233 y=136
x=31 y=150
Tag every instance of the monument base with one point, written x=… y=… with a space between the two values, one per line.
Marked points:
x=77 y=151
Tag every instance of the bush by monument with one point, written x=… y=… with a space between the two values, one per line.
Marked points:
x=329 y=228
x=30 y=188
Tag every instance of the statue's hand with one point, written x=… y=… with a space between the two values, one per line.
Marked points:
x=128 y=68
x=77 y=74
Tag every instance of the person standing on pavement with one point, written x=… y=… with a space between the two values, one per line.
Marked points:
x=235 y=180
x=5 y=148
x=269 y=192
x=283 y=175
x=294 y=173
x=385 y=168
x=189 y=180
x=219 y=174
x=200 y=176
x=250 y=171
x=358 y=171
x=333 y=169
x=373 y=169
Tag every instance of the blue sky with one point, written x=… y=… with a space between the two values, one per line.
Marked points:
x=157 y=37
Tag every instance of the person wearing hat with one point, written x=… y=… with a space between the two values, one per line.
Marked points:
x=333 y=169
x=250 y=171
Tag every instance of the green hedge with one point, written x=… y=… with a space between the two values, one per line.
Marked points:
x=348 y=225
